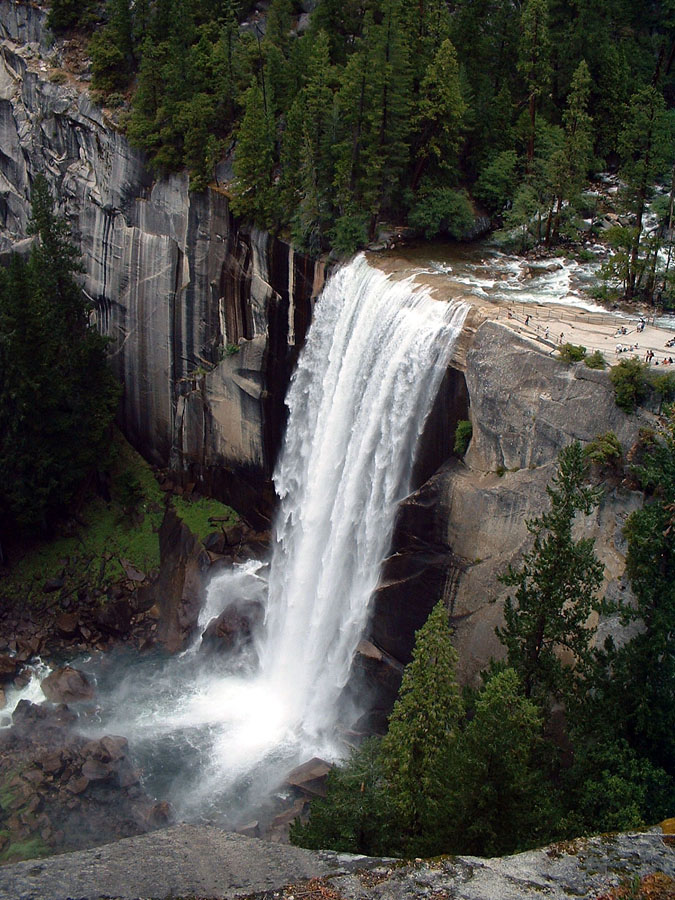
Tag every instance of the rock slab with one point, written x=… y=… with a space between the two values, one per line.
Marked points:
x=205 y=862
x=185 y=860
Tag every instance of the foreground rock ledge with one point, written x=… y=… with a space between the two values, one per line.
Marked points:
x=208 y=863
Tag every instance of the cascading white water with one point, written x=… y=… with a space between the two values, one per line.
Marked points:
x=363 y=387
x=375 y=354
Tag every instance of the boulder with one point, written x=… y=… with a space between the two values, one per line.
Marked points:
x=67 y=685
x=68 y=624
x=233 y=627
x=30 y=719
x=181 y=582
x=8 y=667
x=233 y=534
x=53 y=584
x=310 y=777
x=114 y=617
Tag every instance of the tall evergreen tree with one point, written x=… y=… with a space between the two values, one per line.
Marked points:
x=253 y=195
x=534 y=60
x=499 y=799
x=556 y=588
x=569 y=166
x=643 y=670
x=440 y=111
x=645 y=145
x=423 y=725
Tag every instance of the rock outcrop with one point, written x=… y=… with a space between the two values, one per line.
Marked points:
x=205 y=318
x=187 y=860
x=462 y=527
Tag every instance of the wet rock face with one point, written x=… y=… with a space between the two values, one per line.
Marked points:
x=233 y=628
x=205 y=318
x=67 y=685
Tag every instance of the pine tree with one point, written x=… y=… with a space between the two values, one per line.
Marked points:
x=306 y=153
x=644 y=668
x=569 y=166
x=422 y=727
x=499 y=799
x=253 y=195
x=534 y=60
x=373 y=104
x=355 y=816
x=440 y=111
x=645 y=144
x=556 y=588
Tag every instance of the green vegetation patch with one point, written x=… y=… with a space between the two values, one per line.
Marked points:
x=32 y=846
x=570 y=353
x=463 y=434
x=104 y=534
x=204 y=516
x=634 y=382
x=604 y=448
x=596 y=360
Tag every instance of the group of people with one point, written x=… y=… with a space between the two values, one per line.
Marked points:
x=666 y=361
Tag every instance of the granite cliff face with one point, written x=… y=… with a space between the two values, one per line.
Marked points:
x=205 y=318
x=463 y=525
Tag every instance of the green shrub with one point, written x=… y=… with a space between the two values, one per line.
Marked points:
x=664 y=385
x=497 y=181
x=631 y=386
x=463 y=434
x=596 y=360
x=115 y=100
x=604 y=448
x=58 y=77
x=442 y=211
x=349 y=233
x=570 y=353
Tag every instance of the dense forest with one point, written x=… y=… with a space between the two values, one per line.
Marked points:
x=377 y=112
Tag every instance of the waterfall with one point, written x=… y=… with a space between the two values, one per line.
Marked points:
x=364 y=384
x=219 y=732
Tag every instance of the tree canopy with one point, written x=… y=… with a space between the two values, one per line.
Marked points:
x=376 y=107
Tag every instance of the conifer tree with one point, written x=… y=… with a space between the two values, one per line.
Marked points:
x=644 y=668
x=422 y=727
x=56 y=401
x=556 y=588
x=253 y=191
x=645 y=143
x=307 y=150
x=499 y=800
x=534 y=60
x=569 y=166
x=440 y=111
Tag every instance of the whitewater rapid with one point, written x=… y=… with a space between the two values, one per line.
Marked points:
x=364 y=384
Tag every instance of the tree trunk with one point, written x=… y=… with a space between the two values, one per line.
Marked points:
x=530 y=142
